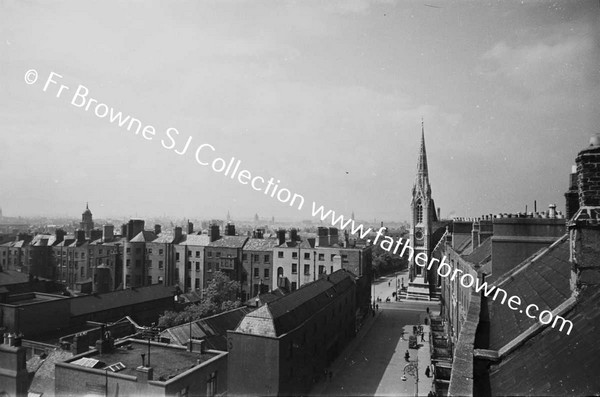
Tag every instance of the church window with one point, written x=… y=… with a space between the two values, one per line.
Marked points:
x=419 y=212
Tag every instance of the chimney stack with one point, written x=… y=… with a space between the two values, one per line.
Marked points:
x=333 y=236
x=108 y=233
x=281 y=236
x=294 y=234
x=190 y=228
x=95 y=234
x=124 y=228
x=80 y=234
x=322 y=236
x=178 y=233
x=214 y=232
x=60 y=235
x=584 y=227
x=230 y=229
x=157 y=229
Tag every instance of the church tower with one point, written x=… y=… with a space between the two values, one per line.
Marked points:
x=423 y=214
x=87 y=222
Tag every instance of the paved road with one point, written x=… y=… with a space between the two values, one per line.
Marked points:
x=376 y=365
x=384 y=286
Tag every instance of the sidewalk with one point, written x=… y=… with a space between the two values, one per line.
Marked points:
x=424 y=360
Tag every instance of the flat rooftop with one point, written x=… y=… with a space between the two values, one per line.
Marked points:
x=166 y=360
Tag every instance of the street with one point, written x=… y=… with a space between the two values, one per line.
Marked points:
x=376 y=365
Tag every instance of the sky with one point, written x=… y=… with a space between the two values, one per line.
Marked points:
x=325 y=96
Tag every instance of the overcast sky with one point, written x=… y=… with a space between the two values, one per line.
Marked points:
x=326 y=96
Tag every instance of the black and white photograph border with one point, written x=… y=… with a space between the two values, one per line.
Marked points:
x=277 y=198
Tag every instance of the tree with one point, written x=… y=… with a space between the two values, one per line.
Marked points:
x=220 y=295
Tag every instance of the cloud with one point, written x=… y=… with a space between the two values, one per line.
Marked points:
x=564 y=61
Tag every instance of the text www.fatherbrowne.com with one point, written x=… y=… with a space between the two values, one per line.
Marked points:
x=204 y=154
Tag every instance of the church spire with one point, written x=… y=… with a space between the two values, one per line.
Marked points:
x=422 y=179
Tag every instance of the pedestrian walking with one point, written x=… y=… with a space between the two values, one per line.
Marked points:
x=407 y=356
x=427 y=372
x=423 y=337
x=377 y=307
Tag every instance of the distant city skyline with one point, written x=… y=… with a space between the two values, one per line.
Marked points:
x=326 y=97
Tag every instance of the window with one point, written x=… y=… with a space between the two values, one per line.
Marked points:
x=244 y=257
x=256 y=258
x=280 y=254
x=294 y=255
x=419 y=212
x=128 y=262
x=197 y=254
x=267 y=258
x=177 y=256
x=280 y=271
x=149 y=280
x=210 y=267
x=160 y=264
x=197 y=283
x=211 y=385
x=294 y=268
x=197 y=266
x=218 y=254
x=332 y=256
x=76 y=255
x=128 y=250
x=321 y=269
x=321 y=257
x=149 y=250
x=256 y=272
x=307 y=255
x=82 y=270
x=331 y=270
x=160 y=251
x=307 y=270
x=189 y=252
x=266 y=273
x=209 y=254
x=294 y=286
x=100 y=251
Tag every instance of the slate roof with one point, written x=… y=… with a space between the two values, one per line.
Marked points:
x=144 y=236
x=461 y=242
x=97 y=303
x=212 y=329
x=553 y=363
x=481 y=254
x=229 y=242
x=43 y=371
x=196 y=239
x=8 y=277
x=542 y=280
x=290 y=311
x=261 y=244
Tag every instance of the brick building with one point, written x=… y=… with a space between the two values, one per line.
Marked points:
x=139 y=368
x=284 y=346
x=257 y=262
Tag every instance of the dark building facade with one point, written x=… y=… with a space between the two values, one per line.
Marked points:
x=284 y=346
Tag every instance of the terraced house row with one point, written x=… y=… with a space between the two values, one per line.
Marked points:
x=100 y=260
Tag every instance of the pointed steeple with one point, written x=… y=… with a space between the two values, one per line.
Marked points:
x=422 y=165
x=422 y=178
